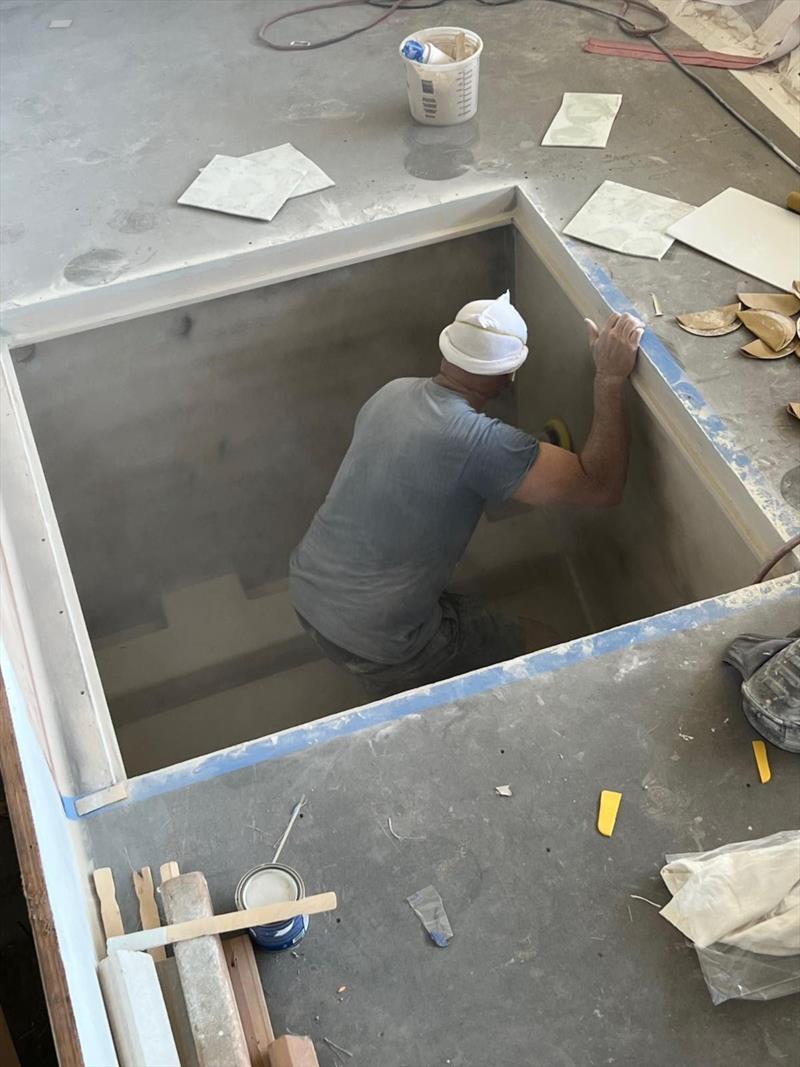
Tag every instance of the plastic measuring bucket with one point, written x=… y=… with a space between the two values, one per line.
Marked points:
x=444 y=94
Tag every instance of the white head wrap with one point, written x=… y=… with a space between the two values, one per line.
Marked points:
x=487 y=337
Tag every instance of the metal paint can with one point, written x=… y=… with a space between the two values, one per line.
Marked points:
x=273 y=883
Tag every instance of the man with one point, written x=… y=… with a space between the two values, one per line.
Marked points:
x=369 y=578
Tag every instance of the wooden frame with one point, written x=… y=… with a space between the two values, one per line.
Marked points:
x=51 y=965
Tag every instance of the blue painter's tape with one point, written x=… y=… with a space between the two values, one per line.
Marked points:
x=420 y=701
x=710 y=423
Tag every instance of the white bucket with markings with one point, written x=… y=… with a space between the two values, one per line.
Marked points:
x=447 y=93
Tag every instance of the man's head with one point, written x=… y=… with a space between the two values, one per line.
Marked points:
x=486 y=344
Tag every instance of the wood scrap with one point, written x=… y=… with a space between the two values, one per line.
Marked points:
x=460 y=48
x=168 y=870
x=136 y=1010
x=230 y=922
x=207 y=990
x=249 y=994
x=794 y=408
x=758 y=350
x=783 y=303
x=711 y=323
x=293 y=1051
x=148 y=909
x=109 y=909
x=8 y=1054
x=774 y=329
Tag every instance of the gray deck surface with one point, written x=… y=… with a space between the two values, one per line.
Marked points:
x=553 y=962
x=106 y=123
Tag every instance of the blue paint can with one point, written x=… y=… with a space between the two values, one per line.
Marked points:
x=273 y=883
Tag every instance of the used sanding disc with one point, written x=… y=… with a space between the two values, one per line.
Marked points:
x=783 y=303
x=758 y=350
x=774 y=329
x=711 y=323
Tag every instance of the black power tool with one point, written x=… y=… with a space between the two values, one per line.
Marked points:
x=770 y=667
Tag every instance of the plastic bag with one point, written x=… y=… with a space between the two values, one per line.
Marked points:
x=732 y=966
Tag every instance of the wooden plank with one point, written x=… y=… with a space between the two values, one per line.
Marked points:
x=223 y=924
x=210 y=1004
x=136 y=1010
x=51 y=964
x=102 y=798
x=148 y=909
x=107 y=895
x=168 y=870
x=250 y=1000
x=175 y=1003
x=8 y=1054
x=293 y=1051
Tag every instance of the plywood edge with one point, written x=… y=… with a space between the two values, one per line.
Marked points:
x=51 y=965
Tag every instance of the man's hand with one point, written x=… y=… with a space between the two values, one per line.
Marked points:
x=615 y=347
x=596 y=477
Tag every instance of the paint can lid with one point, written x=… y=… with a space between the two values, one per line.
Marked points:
x=269 y=884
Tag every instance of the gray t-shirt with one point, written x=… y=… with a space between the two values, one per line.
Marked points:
x=380 y=551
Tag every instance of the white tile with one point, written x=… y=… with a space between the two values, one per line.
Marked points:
x=584 y=120
x=747 y=233
x=314 y=177
x=243 y=187
x=628 y=220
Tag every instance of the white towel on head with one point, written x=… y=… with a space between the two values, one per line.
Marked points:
x=487 y=337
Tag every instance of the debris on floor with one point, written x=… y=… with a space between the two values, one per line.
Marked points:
x=712 y=323
x=759 y=350
x=241 y=187
x=610 y=801
x=503 y=790
x=794 y=408
x=337 y=1048
x=726 y=226
x=772 y=328
x=783 y=303
x=584 y=120
x=628 y=220
x=256 y=185
x=314 y=178
x=762 y=761
x=740 y=906
x=428 y=906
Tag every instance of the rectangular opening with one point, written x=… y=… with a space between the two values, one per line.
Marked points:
x=186 y=452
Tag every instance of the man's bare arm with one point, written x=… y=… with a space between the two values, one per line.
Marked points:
x=596 y=476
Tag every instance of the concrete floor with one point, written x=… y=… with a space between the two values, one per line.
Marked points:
x=92 y=177
x=553 y=961
x=103 y=126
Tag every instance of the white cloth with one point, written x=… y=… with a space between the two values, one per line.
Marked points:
x=487 y=337
x=745 y=894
